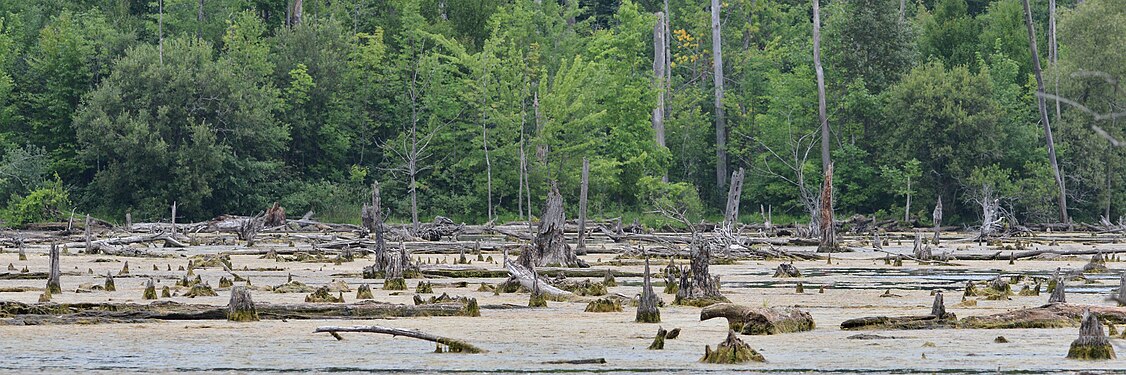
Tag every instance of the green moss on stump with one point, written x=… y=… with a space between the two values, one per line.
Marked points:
x=648 y=316
x=395 y=284
x=731 y=351
x=604 y=305
x=165 y=292
x=424 y=287
x=659 y=340
x=150 y=291
x=537 y=300
x=323 y=295
x=364 y=292
x=199 y=290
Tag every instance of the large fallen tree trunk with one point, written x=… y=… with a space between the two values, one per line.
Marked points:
x=759 y=320
x=78 y=313
x=527 y=279
x=1055 y=315
x=106 y=244
x=452 y=345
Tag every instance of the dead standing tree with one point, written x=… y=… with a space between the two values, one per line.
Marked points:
x=549 y=247
x=720 y=120
x=372 y=218
x=1042 y=106
x=828 y=230
x=581 y=248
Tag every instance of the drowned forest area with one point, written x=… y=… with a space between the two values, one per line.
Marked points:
x=273 y=292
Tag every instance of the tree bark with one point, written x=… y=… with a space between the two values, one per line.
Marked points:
x=647 y=310
x=936 y=216
x=720 y=119
x=697 y=286
x=582 y=207
x=485 y=130
x=53 y=286
x=828 y=231
x=659 y=81
x=734 y=193
x=821 y=111
x=1042 y=106
x=453 y=345
x=759 y=320
x=549 y=247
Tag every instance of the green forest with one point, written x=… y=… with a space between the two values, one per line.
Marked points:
x=111 y=107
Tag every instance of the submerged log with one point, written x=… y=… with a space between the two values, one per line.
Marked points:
x=1092 y=344
x=731 y=351
x=937 y=319
x=452 y=345
x=759 y=320
x=1055 y=315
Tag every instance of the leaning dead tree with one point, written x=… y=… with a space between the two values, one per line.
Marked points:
x=1042 y=106
x=549 y=247
x=734 y=192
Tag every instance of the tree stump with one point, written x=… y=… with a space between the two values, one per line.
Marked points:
x=759 y=320
x=1121 y=297
x=1058 y=295
x=150 y=290
x=393 y=276
x=828 y=242
x=275 y=216
x=110 y=287
x=647 y=311
x=241 y=307
x=786 y=270
x=549 y=247
x=1096 y=265
x=53 y=286
x=1092 y=343
x=604 y=305
x=731 y=351
x=697 y=286
x=364 y=292
x=659 y=340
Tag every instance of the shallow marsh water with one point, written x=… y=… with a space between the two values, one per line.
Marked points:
x=521 y=340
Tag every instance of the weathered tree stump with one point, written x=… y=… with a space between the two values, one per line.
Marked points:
x=364 y=292
x=165 y=292
x=249 y=227
x=659 y=339
x=323 y=295
x=1092 y=344
x=393 y=275
x=1058 y=294
x=424 y=287
x=604 y=305
x=759 y=320
x=608 y=280
x=241 y=307
x=647 y=310
x=1121 y=297
x=921 y=251
x=200 y=290
x=1096 y=265
x=549 y=247
x=697 y=286
x=828 y=233
x=110 y=287
x=537 y=298
x=731 y=351
x=937 y=319
x=150 y=290
x=275 y=216
x=53 y=286
x=786 y=270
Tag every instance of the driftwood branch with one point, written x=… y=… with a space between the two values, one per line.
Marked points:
x=454 y=345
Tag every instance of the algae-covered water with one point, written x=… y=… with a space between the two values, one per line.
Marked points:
x=522 y=340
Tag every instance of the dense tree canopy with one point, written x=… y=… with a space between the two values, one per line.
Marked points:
x=225 y=106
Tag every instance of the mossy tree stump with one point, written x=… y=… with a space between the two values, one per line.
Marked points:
x=110 y=287
x=241 y=307
x=1058 y=294
x=1092 y=343
x=659 y=340
x=549 y=247
x=53 y=286
x=731 y=351
x=364 y=292
x=697 y=286
x=150 y=290
x=759 y=320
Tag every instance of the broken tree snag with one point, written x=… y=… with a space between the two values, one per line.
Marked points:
x=697 y=286
x=936 y=216
x=549 y=247
x=536 y=299
x=921 y=251
x=937 y=319
x=786 y=270
x=759 y=320
x=1058 y=293
x=393 y=275
x=110 y=286
x=1121 y=297
x=647 y=310
x=241 y=307
x=731 y=351
x=828 y=231
x=581 y=247
x=659 y=340
x=249 y=228
x=87 y=235
x=150 y=290
x=173 y=218
x=452 y=345
x=275 y=216
x=1096 y=265
x=1092 y=344
x=734 y=192
x=53 y=286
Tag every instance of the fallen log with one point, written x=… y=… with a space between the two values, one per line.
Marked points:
x=53 y=313
x=528 y=280
x=759 y=320
x=452 y=345
x=1055 y=315
x=937 y=319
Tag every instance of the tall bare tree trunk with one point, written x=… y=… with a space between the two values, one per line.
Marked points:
x=720 y=119
x=485 y=130
x=902 y=10
x=173 y=218
x=582 y=206
x=1062 y=200
x=1053 y=52
x=821 y=114
x=199 y=21
x=668 y=56
x=659 y=80
x=907 y=207
x=160 y=30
